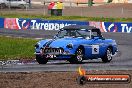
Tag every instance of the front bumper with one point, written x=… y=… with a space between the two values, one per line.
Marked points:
x=51 y=56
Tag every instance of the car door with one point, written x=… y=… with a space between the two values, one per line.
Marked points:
x=14 y=3
x=97 y=45
x=93 y=48
x=8 y=2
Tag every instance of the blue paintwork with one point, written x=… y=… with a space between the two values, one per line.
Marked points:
x=86 y=43
x=41 y=43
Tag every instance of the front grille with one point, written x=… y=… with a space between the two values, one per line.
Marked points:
x=48 y=50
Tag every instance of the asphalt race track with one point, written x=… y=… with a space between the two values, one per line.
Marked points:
x=122 y=61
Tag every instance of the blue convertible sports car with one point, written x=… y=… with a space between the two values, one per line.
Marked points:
x=76 y=43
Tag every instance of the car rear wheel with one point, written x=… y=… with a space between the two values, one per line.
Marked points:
x=41 y=60
x=78 y=58
x=22 y=6
x=108 y=56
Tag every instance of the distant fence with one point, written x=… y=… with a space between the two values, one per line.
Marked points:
x=75 y=1
x=70 y=2
x=41 y=24
x=84 y=1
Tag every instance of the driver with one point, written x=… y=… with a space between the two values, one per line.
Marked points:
x=73 y=33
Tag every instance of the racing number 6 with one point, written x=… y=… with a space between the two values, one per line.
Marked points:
x=95 y=49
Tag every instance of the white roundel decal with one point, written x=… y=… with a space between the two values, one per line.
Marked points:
x=95 y=49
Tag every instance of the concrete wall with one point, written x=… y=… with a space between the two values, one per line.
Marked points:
x=122 y=1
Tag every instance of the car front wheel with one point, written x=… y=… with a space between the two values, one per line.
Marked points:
x=41 y=60
x=108 y=56
x=78 y=58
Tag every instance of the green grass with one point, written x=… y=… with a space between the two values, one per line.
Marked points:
x=79 y=18
x=16 y=48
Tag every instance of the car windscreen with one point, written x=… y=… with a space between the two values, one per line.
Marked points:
x=83 y=33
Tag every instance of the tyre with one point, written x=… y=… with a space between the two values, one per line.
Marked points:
x=108 y=56
x=41 y=60
x=81 y=80
x=22 y=6
x=2 y=5
x=79 y=56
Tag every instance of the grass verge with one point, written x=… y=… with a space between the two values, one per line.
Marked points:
x=79 y=18
x=16 y=48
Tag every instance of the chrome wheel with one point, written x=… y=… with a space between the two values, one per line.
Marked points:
x=109 y=54
x=79 y=55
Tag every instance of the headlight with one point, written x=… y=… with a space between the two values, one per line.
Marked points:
x=70 y=46
x=37 y=45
